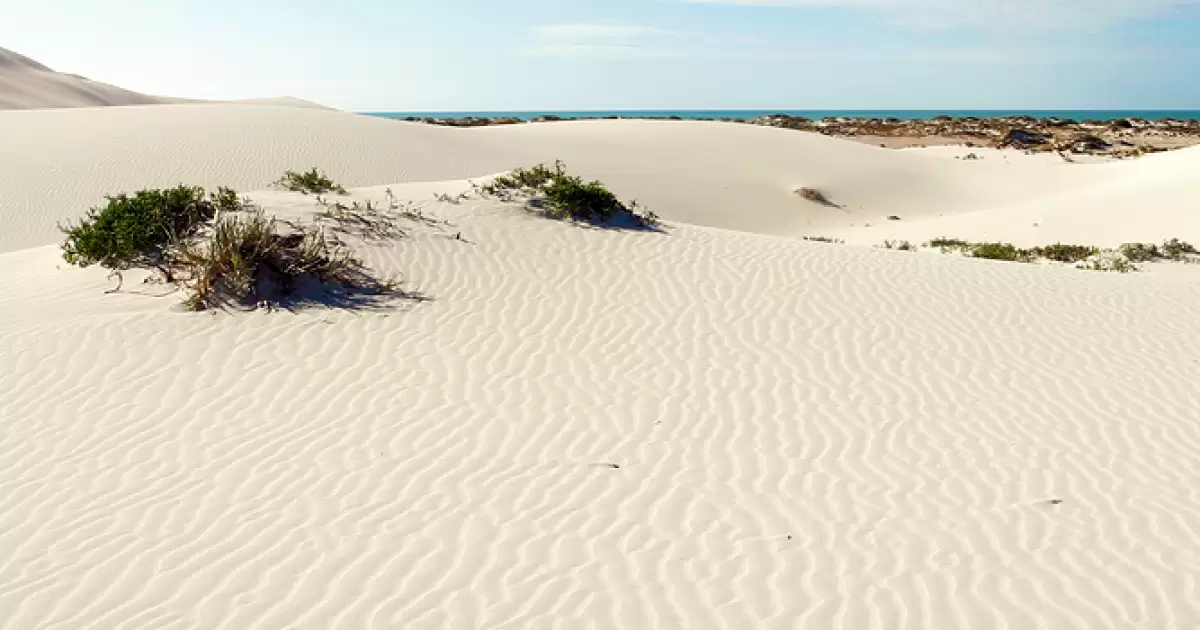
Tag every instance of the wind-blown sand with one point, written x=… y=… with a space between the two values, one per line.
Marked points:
x=803 y=435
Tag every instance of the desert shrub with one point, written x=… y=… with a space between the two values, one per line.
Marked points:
x=1000 y=251
x=1176 y=249
x=1140 y=252
x=1172 y=248
x=904 y=246
x=1109 y=260
x=246 y=259
x=137 y=230
x=824 y=239
x=560 y=195
x=893 y=218
x=365 y=219
x=1065 y=253
x=947 y=244
x=310 y=182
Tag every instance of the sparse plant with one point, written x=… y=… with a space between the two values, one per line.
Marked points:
x=1141 y=252
x=1000 y=251
x=1176 y=249
x=310 y=182
x=246 y=259
x=364 y=219
x=1064 y=253
x=948 y=244
x=219 y=248
x=452 y=199
x=904 y=246
x=1108 y=260
x=557 y=194
x=824 y=239
x=893 y=218
x=138 y=230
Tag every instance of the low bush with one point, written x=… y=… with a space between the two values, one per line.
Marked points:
x=137 y=230
x=246 y=259
x=1176 y=249
x=1172 y=249
x=1000 y=251
x=946 y=244
x=220 y=249
x=560 y=195
x=1141 y=252
x=1109 y=260
x=310 y=182
x=1065 y=253
x=904 y=246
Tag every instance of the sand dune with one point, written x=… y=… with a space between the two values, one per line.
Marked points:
x=27 y=84
x=588 y=428
x=719 y=175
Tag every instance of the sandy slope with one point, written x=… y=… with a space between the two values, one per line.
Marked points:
x=27 y=84
x=720 y=175
x=905 y=420
x=804 y=435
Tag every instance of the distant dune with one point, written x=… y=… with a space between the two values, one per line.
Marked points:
x=27 y=84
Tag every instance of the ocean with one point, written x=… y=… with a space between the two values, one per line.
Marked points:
x=905 y=114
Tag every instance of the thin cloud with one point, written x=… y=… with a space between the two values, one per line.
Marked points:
x=602 y=39
x=1005 y=14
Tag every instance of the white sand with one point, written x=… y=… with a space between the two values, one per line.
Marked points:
x=807 y=435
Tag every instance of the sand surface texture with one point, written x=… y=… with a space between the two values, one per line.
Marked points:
x=590 y=428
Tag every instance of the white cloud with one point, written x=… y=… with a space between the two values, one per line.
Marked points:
x=1006 y=14
x=603 y=39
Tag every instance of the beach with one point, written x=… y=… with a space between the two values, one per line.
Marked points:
x=712 y=424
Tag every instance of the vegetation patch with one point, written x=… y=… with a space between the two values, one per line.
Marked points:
x=824 y=239
x=948 y=244
x=248 y=259
x=554 y=193
x=139 y=230
x=1065 y=253
x=1000 y=251
x=904 y=246
x=221 y=250
x=1108 y=260
x=310 y=182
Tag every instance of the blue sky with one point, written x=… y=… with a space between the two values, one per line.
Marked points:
x=630 y=54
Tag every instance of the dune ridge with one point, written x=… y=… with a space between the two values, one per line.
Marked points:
x=714 y=174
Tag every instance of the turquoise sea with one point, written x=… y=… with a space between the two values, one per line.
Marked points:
x=906 y=114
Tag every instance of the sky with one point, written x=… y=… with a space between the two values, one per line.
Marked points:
x=438 y=55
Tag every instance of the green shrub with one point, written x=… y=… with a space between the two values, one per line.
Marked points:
x=1000 y=251
x=560 y=195
x=310 y=182
x=1176 y=249
x=246 y=259
x=1140 y=252
x=137 y=230
x=1065 y=253
x=947 y=244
